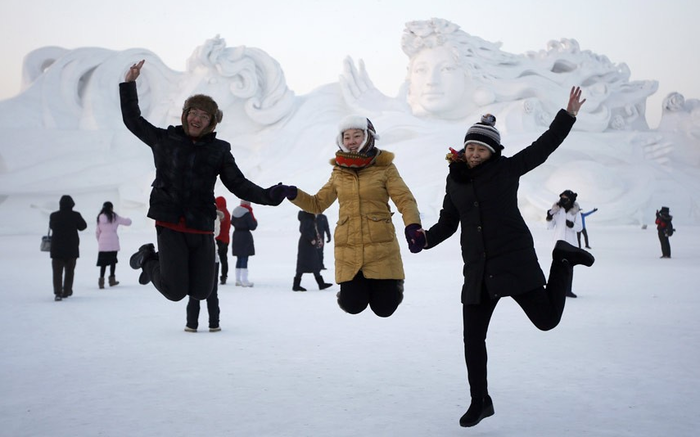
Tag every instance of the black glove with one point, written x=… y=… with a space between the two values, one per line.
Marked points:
x=415 y=238
x=549 y=216
x=279 y=192
x=569 y=223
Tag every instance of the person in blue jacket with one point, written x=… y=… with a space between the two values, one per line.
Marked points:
x=584 y=231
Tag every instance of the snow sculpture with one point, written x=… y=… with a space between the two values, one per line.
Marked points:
x=452 y=75
x=65 y=134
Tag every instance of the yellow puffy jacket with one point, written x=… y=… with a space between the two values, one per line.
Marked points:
x=365 y=238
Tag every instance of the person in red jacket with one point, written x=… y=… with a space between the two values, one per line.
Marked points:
x=223 y=239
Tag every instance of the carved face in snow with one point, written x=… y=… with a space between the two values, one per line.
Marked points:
x=437 y=83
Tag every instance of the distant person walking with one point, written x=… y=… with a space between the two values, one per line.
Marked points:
x=242 y=242
x=308 y=255
x=325 y=231
x=108 y=242
x=223 y=238
x=65 y=224
x=664 y=228
x=565 y=219
x=584 y=229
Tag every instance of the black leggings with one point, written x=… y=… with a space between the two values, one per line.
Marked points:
x=112 y=269
x=382 y=295
x=185 y=264
x=212 y=306
x=543 y=306
x=223 y=257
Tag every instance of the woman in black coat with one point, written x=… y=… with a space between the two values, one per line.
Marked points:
x=497 y=247
x=308 y=257
x=242 y=243
x=65 y=224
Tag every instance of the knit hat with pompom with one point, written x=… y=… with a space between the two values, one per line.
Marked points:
x=485 y=134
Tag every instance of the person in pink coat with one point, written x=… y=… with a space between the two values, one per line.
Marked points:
x=108 y=242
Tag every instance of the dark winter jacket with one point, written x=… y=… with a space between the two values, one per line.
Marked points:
x=242 y=240
x=323 y=227
x=186 y=169
x=664 y=222
x=65 y=224
x=497 y=247
x=308 y=258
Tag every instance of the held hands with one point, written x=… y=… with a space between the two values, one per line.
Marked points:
x=549 y=215
x=279 y=192
x=134 y=71
x=415 y=237
x=575 y=101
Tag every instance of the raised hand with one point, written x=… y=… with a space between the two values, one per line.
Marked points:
x=359 y=91
x=134 y=71
x=575 y=101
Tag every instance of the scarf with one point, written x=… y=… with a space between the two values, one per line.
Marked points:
x=356 y=160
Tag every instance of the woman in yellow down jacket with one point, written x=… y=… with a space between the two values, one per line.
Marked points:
x=368 y=263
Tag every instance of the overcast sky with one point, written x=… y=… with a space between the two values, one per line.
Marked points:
x=310 y=38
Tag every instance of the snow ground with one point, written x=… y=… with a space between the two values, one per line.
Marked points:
x=116 y=362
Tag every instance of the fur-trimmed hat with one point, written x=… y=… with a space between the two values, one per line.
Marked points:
x=361 y=123
x=570 y=194
x=485 y=133
x=206 y=104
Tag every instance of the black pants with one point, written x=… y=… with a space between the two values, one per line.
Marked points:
x=223 y=257
x=212 y=306
x=112 y=270
x=63 y=285
x=585 y=238
x=665 y=244
x=543 y=306
x=382 y=295
x=185 y=265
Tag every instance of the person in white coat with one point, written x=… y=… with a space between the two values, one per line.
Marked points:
x=565 y=219
x=108 y=242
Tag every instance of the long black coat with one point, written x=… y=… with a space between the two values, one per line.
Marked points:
x=242 y=243
x=65 y=224
x=497 y=247
x=308 y=257
x=186 y=170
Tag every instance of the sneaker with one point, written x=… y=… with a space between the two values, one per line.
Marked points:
x=478 y=410
x=57 y=298
x=223 y=280
x=145 y=252
x=570 y=294
x=324 y=285
x=217 y=329
x=188 y=329
x=565 y=251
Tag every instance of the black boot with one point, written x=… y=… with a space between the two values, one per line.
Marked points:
x=322 y=285
x=565 y=251
x=297 y=284
x=145 y=252
x=479 y=409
